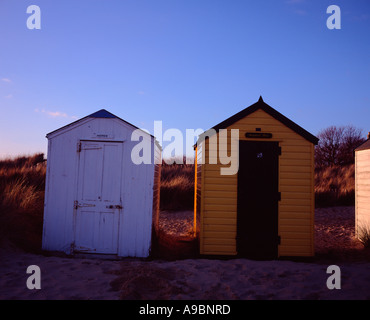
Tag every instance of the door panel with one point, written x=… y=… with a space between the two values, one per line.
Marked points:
x=98 y=204
x=90 y=171
x=111 y=181
x=257 y=224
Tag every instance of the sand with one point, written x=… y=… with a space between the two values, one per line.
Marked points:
x=62 y=278
x=97 y=279
x=177 y=223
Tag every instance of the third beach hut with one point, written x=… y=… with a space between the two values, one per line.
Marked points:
x=362 y=185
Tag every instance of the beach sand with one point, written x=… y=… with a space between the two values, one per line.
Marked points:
x=85 y=278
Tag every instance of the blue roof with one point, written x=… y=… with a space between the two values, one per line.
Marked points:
x=102 y=114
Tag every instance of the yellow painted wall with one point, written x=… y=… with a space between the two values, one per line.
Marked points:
x=218 y=200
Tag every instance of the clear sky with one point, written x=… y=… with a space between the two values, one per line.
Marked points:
x=189 y=63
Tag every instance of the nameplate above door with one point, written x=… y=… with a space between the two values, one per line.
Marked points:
x=102 y=136
x=258 y=135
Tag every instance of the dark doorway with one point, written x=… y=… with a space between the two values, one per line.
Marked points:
x=257 y=224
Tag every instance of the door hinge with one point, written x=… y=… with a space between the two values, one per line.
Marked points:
x=75 y=204
x=279 y=240
x=79 y=147
x=279 y=196
x=279 y=151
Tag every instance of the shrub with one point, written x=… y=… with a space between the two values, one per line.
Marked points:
x=336 y=145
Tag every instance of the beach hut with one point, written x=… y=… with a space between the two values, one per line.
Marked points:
x=97 y=200
x=362 y=187
x=266 y=209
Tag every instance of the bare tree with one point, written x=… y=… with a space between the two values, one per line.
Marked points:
x=336 y=145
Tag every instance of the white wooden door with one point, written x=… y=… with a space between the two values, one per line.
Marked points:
x=98 y=203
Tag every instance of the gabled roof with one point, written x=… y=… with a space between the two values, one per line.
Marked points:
x=260 y=104
x=98 y=114
x=364 y=146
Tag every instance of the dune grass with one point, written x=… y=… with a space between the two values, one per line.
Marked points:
x=335 y=186
x=22 y=184
x=177 y=187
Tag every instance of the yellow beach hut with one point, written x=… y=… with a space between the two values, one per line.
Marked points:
x=265 y=210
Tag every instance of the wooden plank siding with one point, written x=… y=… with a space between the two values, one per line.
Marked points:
x=362 y=189
x=218 y=209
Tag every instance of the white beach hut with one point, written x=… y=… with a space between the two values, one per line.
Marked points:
x=362 y=186
x=97 y=200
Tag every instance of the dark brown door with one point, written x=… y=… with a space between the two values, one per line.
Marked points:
x=257 y=224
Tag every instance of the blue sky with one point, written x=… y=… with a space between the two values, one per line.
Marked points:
x=189 y=63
